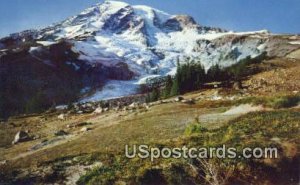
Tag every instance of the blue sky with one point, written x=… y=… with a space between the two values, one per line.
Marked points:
x=278 y=16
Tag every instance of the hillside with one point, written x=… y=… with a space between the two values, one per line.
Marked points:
x=50 y=157
x=74 y=94
x=114 y=45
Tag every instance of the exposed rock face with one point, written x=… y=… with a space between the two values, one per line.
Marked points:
x=21 y=136
x=179 y=22
x=48 y=76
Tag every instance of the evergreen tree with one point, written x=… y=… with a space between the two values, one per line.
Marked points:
x=214 y=73
x=175 y=85
x=154 y=95
x=148 y=98
x=168 y=87
x=190 y=76
x=199 y=76
x=175 y=88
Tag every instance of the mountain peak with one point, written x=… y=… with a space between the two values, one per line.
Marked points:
x=143 y=40
x=115 y=3
x=112 y=5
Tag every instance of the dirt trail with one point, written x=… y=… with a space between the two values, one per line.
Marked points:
x=215 y=120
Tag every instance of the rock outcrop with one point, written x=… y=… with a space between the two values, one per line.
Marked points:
x=21 y=136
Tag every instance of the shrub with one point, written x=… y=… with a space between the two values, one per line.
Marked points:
x=102 y=175
x=177 y=173
x=194 y=127
x=151 y=176
x=284 y=102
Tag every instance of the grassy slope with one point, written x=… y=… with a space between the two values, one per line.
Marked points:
x=110 y=131
x=163 y=124
x=254 y=129
x=156 y=126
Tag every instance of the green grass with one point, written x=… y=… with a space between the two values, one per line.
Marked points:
x=275 y=102
x=194 y=127
x=284 y=102
x=102 y=175
x=172 y=125
x=251 y=130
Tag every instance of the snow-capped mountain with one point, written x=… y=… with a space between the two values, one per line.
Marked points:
x=149 y=40
x=139 y=42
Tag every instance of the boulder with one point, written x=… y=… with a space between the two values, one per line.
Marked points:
x=60 y=133
x=61 y=117
x=189 y=101
x=117 y=108
x=99 y=110
x=133 y=105
x=85 y=129
x=178 y=99
x=36 y=137
x=146 y=106
x=3 y=162
x=21 y=136
x=237 y=85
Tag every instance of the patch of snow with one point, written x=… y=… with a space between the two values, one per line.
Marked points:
x=93 y=52
x=76 y=67
x=3 y=50
x=61 y=107
x=114 y=89
x=85 y=90
x=46 y=43
x=295 y=42
x=73 y=31
x=262 y=47
x=145 y=79
x=33 y=49
x=212 y=36
x=252 y=32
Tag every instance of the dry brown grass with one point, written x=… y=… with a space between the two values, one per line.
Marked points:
x=110 y=132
